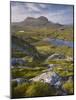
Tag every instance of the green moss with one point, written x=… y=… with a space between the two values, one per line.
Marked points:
x=68 y=86
x=33 y=89
x=20 y=90
x=40 y=89
x=26 y=72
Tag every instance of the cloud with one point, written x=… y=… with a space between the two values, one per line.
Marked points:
x=32 y=7
x=42 y=5
x=57 y=13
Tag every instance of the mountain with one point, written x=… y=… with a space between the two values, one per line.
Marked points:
x=30 y=22
x=36 y=22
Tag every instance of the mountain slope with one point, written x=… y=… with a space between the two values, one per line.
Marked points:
x=23 y=46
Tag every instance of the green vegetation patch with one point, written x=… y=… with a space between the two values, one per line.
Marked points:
x=33 y=89
x=26 y=72
x=69 y=86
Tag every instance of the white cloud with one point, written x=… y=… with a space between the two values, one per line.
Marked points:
x=32 y=7
x=42 y=5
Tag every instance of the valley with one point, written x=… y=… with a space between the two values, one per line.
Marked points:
x=42 y=58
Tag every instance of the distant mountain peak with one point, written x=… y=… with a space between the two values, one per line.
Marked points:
x=43 y=18
x=39 y=22
x=28 y=18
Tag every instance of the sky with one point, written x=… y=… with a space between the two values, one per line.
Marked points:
x=62 y=14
